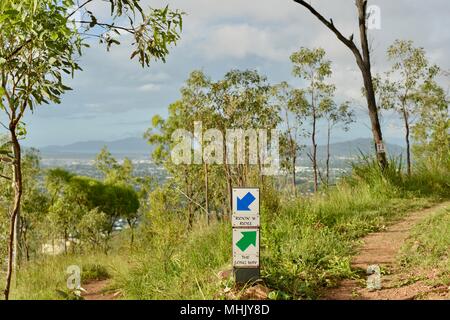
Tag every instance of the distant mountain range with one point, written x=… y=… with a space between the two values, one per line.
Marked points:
x=355 y=147
x=139 y=146
x=127 y=146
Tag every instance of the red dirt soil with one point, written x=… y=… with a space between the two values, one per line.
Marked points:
x=381 y=248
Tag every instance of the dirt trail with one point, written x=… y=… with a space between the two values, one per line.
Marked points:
x=97 y=290
x=381 y=249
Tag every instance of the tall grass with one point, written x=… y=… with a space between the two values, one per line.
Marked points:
x=183 y=271
x=429 y=177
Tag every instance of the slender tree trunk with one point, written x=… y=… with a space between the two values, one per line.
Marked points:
x=314 y=150
x=230 y=199
x=408 y=146
x=65 y=241
x=328 y=154
x=131 y=225
x=189 y=194
x=24 y=235
x=14 y=217
x=132 y=237
x=293 y=152
x=229 y=181
x=294 y=186
x=205 y=167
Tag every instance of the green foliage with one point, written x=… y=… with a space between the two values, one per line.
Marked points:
x=410 y=88
x=427 y=247
x=316 y=102
x=94 y=271
x=87 y=208
x=431 y=131
x=243 y=99
x=36 y=47
x=92 y=228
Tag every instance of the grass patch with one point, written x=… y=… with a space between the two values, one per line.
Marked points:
x=187 y=270
x=428 y=246
x=43 y=278
x=309 y=244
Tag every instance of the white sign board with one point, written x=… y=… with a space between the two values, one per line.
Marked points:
x=381 y=148
x=246 y=248
x=245 y=207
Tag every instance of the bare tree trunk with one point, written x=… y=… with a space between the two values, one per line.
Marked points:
x=408 y=146
x=294 y=186
x=229 y=181
x=314 y=149
x=189 y=204
x=328 y=154
x=368 y=81
x=24 y=237
x=363 y=61
x=230 y=189
x=14 y=217
x=65 y=241
x=131 y=225
x=205 y=167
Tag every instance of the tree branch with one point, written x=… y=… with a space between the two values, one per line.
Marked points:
x=130 y=30
x=5 y=177
x=18 y=49
x=81 y=6
x=330 y=25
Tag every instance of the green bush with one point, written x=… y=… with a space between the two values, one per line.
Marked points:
x=94 y=271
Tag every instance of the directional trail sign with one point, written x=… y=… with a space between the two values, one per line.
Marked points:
x=246 y=248
x=245 y=207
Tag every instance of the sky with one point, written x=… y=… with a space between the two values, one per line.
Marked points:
x=116 y=98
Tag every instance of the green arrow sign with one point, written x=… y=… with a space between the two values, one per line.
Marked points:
x=248 y=238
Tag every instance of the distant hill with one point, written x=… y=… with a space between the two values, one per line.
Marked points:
x=355 y=147
x=127 y=146
x=135 y=147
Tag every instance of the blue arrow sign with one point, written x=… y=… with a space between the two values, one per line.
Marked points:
x=244 y=203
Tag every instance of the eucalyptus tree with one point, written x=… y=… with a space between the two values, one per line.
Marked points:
x=313 y=101
x=363 y=61
x=41 y=40
x=398 y=90
x=335 y=115
x=289 y=143
x=241 y=100
x=431 y=131
x=35 y=204
x=195 y=93
x=184 y=176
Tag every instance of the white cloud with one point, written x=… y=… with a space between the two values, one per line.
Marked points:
x=242 y=40
x=149 y=87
